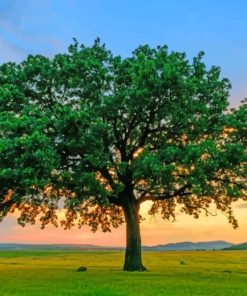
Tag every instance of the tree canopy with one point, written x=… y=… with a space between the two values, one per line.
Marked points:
x=98 y=134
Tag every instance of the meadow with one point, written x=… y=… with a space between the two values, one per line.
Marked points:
x=47 y=273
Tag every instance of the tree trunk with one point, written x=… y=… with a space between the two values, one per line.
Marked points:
x=133 y=255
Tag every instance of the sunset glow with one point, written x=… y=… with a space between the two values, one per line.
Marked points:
x=154 y=231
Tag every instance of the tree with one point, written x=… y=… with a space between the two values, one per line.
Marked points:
x=102 y=134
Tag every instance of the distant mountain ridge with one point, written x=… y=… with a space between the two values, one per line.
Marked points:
x=181 y=246
x=58 y=247
x=187 y=246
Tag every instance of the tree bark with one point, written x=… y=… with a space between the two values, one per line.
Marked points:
x=133 y=254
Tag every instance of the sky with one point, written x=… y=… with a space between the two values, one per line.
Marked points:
x=218 y=27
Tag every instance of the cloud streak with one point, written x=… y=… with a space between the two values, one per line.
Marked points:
x=10 y=52
x=242 y=206
x=23 y=30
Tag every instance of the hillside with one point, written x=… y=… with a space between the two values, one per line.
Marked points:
x=242 y=246
x=53 y=247
x=186 y=246
x=182 y=246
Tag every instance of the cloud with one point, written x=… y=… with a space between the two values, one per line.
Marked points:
x=27 y=29
x=238 y=93
x=242 y=206
x=10 y=52
x=11 y=13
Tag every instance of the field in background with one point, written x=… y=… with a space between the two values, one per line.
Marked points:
x=170 y=273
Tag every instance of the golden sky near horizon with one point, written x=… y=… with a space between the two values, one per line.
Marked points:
x=154 y=231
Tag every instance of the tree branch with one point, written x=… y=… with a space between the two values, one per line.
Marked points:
x=105 y=173
x=4 y=205
x=159 y=197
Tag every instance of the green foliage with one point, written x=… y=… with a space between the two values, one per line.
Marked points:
x=86 y=127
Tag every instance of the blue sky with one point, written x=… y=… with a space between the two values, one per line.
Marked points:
x=47 y=26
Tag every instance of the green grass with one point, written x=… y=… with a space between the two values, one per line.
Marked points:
x=48 y=273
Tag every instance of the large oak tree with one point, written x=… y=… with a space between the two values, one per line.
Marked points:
x=98 y=135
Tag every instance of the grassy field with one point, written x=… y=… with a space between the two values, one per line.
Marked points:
x=170 y=273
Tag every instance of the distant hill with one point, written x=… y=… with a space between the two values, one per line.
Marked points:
x=187 y=246
x=54 y=247
x=182 y=246
x=242 y=246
